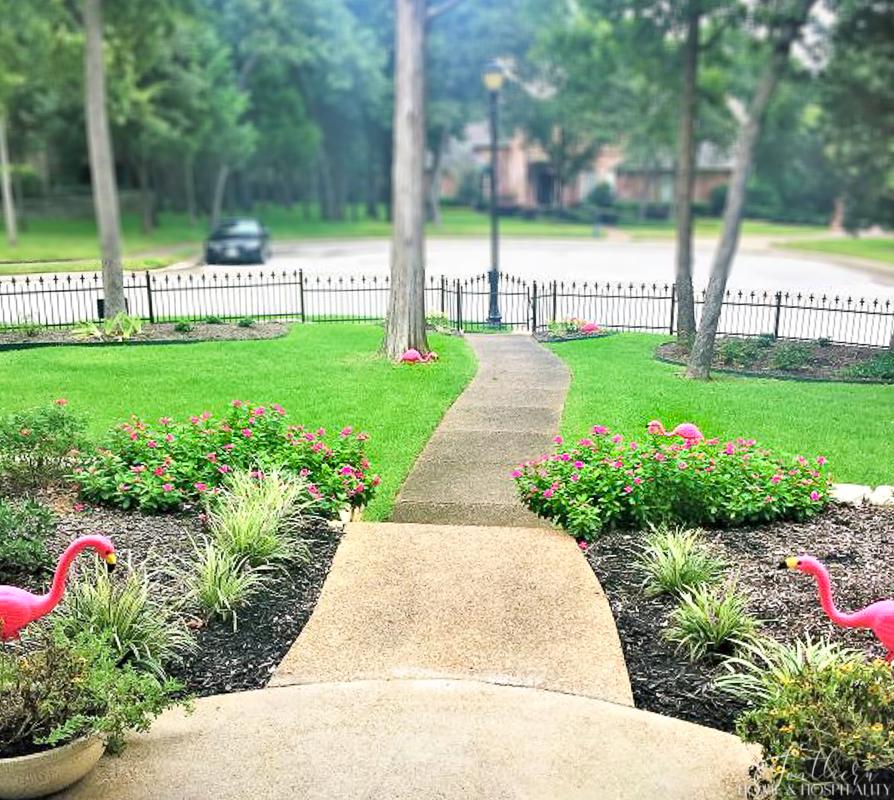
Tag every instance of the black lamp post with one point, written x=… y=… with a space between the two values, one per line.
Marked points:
x=493 y=82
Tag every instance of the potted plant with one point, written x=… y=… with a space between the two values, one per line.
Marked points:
x=65 y=700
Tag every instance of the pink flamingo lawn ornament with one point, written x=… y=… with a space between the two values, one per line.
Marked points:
x=685 y=430
x=18 y=608
x=413 y=356
x=878 y=617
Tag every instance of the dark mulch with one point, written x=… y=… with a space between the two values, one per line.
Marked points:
x=159 y=333
x=224 y=660
x=857 y=545
x=830 y=362
x=547 y=337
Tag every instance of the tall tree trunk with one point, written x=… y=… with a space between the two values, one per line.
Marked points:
x=388 y=174
x=703 y=351
x=371 y=189
x=189 y=187
x=102 y=162
x=325 y=183
x=685 y=183
x=220 y=188
x=433 y=195
x=9 y=208
x=405 y=327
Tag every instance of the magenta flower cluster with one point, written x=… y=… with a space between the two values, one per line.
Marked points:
x=163 y=465
x=606 y=481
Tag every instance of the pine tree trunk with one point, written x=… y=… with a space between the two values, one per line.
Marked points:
x=9 y=208
x=685 y=183
x=102 y=163
x=703 y=350
x=220 y=188
x=406 y=312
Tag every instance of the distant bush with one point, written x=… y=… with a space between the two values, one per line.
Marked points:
x=213 y=320
x=788 y=356
x=607 y=482
x=739 y=352
x=879 y=367
x=183 y=326
x=245 y=322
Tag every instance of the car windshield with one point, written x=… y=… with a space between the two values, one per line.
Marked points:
x=238 y=227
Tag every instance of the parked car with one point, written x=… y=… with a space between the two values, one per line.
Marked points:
x=238 y=241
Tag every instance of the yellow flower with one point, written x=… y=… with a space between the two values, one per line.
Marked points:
x=878 y=727
x=794 y=751
x=787 y=728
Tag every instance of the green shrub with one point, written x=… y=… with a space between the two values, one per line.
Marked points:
x=819 y=710
x=765 y=340
x=220 y=583
x=159 y=467
x=607 y=482
x=183 y=326
x=438 y=322
x=123 y=610
x=256 y=517
x=739 y=352
x=24 y=529
x=58 y=688
x=213 y=320
x=788 y=356
x=121 y=328
x=675 y=561
x=245 y=322
x=39 y=446
x=880 y=367
x=711 y=621
x=823 y=341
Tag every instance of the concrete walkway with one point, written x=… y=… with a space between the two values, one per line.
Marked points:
x=509 y=412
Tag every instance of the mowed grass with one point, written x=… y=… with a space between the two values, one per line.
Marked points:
x=617 y=383
x=879 y=249
x=324 y=375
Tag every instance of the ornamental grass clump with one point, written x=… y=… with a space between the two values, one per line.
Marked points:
x=122 y=608
x=257 y=517
x=164 y=465
x=673 y=561
x=606 y=481
x=823 y=714
x=711 y=621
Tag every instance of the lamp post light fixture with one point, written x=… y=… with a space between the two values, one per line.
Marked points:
x=493 y=78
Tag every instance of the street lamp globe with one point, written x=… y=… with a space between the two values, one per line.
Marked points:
x=493 y=77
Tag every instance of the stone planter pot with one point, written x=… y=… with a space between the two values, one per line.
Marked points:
x=50 y=771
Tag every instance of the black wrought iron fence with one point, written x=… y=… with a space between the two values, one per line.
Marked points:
x=62 y=300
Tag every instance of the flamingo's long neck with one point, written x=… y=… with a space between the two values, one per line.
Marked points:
x=824 y=584
x=47 y=602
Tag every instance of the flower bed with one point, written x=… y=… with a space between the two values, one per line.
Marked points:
x=605 y=481
x=565 y=330
x=163 y=465
x=857 y=543
x=818 y=360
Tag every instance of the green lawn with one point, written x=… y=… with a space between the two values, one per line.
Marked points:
x=327 y=375
x=873 y=249
x=711 y=226
x=617 y=383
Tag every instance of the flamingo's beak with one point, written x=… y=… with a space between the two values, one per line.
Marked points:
x=789 y=563
x=111 y=560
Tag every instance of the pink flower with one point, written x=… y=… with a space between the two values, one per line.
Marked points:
x=194 y=420
x=158 y=471
x=558 y=439
x=205 y=415
x=582 y=544
x=681 y=465
x=61 y=401
x=575 y=477
x=547 y=493
x=236 y=404
x=167 y=487
x=628 y=489
x=258 y=411
x=347 y=470
x=304 y=472
x=600 y=430
x=228 y=446
x=633 y=445
x=820 y=460
x=586 y=442
x=729 y=449
x=212 y=457
x=78 y=507
x=138 y=468
x=516 y=473
x=246 y=432
x=814 y=495
x=637 y=480
x=660 y=457
x=152 y=444
x=223 y=469
x=346 y=431
x=617 y=438
x=362 y=437
x=376 y=480
x=164 y=421
x=578 y=464
x=257 y=474
x=169 y=437
x=278 y=409
x=201 y=487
